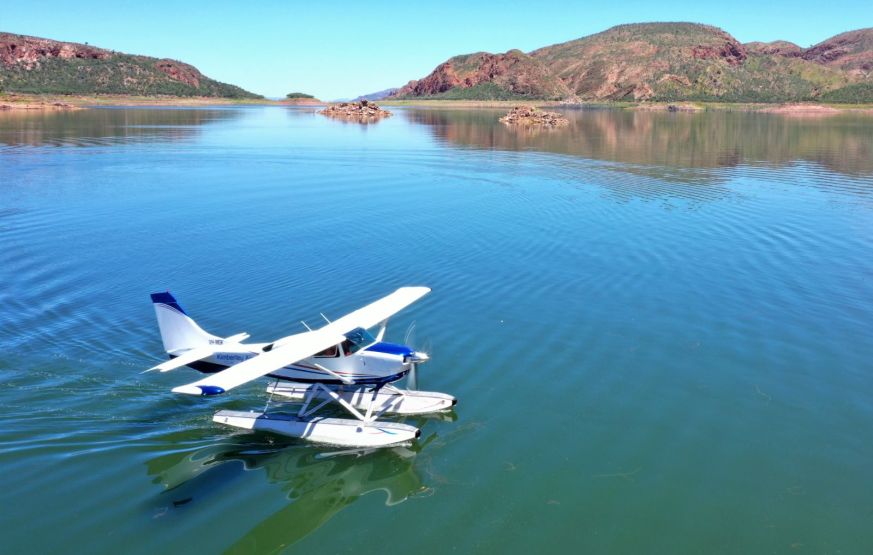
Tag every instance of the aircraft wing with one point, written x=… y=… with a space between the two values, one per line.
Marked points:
x=293 y=349
x=376 y=312
x=298 y=347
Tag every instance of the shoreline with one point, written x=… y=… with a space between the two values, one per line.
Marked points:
x=51 y=102
x=786 y=108
x=60 y=102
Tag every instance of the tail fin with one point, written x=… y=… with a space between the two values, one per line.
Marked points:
x=178 y=330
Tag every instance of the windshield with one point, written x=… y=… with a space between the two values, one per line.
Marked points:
x=357 y=339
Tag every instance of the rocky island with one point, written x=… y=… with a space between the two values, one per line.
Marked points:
x=363 y=111
x=528 y=115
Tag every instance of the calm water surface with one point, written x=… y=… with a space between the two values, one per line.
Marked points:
x=658 y=327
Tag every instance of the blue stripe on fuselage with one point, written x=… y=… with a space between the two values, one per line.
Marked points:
x=390 y=349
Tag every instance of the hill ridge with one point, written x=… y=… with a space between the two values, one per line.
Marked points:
x=667 y=61
x=30 y=64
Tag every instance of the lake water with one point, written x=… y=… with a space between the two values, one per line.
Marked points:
x=658 y=327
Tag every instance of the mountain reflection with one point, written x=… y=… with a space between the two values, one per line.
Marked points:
x=703 y=140
x=318 y=483
x=101 y=126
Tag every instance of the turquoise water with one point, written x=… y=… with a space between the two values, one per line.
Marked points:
x=658 y=327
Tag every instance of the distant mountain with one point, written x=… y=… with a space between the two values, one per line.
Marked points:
x=662 y=62
x=37 y=65
x=379 y=95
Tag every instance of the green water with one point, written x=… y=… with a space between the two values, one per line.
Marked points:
x=658 y=326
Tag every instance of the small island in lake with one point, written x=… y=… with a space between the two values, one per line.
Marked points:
x=363 y=111
x=299 y=98
x=528 y=115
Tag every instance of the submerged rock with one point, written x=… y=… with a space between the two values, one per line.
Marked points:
x=363 y=111
x=660 y=107
x=528 y=115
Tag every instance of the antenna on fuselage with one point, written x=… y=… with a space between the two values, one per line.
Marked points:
x=305 y=326
x=382 y=328
x=325 y=317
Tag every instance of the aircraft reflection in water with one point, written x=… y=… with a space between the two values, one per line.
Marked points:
x=318 y=483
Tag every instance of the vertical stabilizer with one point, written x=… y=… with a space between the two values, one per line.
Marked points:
x=178 y=331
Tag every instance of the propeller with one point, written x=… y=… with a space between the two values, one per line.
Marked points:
x=418 y=356
x=412 y=379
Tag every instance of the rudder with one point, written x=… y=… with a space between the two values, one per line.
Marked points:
x=178 y=330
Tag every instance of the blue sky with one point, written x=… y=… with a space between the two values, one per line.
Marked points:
x=343 y=49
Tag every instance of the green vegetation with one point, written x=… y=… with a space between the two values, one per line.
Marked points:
x=295 y=95
x=852 y=94
x=482 y=91
x=759 y=79
x=118 y=74
x=661 y=62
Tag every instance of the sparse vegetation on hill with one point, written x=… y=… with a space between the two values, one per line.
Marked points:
x=482 y=91
x=43 y=66
x=659 y=62
x=484 y=76
x=858 y=93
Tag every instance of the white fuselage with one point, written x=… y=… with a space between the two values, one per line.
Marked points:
x=363 y=367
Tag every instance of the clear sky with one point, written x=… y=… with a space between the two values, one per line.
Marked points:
x=343 y=49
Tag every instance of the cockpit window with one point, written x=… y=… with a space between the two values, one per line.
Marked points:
x=330 y=352
x=356 y=340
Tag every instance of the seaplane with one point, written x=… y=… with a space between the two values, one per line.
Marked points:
x=340 y=363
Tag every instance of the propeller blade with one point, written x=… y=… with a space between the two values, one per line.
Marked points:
x=408 y=340
x=412 y=379
x=410 y=335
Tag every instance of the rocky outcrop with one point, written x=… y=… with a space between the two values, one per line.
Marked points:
x=775 y=48
x=852 y=51
x=28 y=52
x=514 y=72
x=730 y=51
x=177 y=71
x=441 y=79
x=528 y=115
x=363 y=111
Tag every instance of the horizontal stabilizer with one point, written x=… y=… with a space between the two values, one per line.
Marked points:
x=184 y=359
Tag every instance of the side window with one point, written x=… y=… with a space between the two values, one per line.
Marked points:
x=330 y=352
